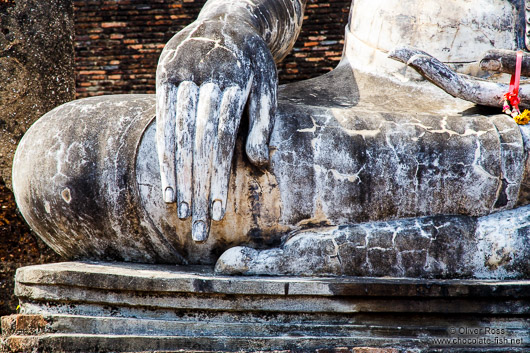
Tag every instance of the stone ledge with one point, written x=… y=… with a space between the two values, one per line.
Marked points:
x=116 y=307
x=201 y=279
x=130 y=344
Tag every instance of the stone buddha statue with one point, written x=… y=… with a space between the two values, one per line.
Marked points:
x=396 y=163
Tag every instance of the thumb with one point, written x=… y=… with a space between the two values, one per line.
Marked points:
x=262 y=108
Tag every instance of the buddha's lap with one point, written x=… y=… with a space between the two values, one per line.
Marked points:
x=97 y=181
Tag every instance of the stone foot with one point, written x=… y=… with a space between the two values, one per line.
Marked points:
x=491 y=247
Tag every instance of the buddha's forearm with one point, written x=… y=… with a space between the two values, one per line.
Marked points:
x=277 y=21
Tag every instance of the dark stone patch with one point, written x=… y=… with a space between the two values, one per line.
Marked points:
x=353 y=259
x=522 y=266
x=352 y=235
x=202 y=286
x=383 y=262
x=453 y=245
x=412 y=239
x=413 y=263
x=336 y=89
x=383 y=239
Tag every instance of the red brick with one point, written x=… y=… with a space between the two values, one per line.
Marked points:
x=113 y=24
x=92 y=72
x=314 y=59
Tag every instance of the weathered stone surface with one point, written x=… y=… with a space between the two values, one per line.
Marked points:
x=127 y=307
x=356 y=147
x=36 y=67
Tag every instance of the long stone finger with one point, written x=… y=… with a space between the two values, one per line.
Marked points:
x=460 y=86
x=187 y=96
x=205 y=131
x=262 y=108
x=230 y=112
x=165 y=139
x=404 y=53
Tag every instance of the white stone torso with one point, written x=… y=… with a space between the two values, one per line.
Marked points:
x=454 y=31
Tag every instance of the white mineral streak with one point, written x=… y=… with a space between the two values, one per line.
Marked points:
x=47 y=207
x=477 y=166
x=363 y=133
x=169 y=55
x=352 y=178
x=311 y=129
x=468 y=131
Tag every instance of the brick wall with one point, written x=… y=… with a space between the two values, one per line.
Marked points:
x=319 y=46
x=118 y=41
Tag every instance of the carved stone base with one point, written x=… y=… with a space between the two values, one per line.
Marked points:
x=123 y=307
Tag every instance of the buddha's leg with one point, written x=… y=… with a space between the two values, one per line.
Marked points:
x=489 y=247
x=347 y=166
x=478 y=174
x=339 y=165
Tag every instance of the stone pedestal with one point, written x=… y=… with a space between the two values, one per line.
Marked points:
x=119 y=307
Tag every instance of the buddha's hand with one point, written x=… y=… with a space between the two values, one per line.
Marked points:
x=206 y=75
x=466 y=87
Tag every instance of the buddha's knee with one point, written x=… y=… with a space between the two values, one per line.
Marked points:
x=74 y=181
x=524 y=191
x=86 y=179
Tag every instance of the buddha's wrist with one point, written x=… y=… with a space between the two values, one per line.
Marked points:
x=278 y=22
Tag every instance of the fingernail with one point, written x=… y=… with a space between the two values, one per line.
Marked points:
x=217 y=210
x=184 y=210
x=199 y=232
x=168 y=195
